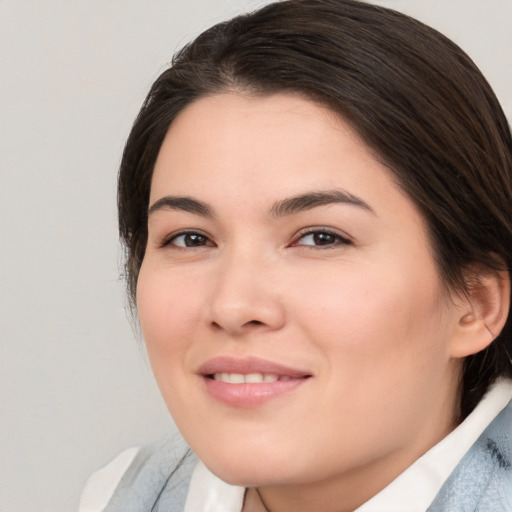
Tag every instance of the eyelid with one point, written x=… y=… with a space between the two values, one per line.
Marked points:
x=167 y=240
x=344 y=238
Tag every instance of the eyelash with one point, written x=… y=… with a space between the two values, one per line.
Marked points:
x=169 y=240
x=340 y=239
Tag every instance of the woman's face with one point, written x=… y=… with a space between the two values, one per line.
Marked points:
x=289 y=300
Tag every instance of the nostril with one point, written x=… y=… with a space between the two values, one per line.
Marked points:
x=251 y=323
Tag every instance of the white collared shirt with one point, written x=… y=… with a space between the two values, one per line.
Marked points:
x=412 y=491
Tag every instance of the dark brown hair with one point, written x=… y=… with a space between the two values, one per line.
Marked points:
x=413 y=96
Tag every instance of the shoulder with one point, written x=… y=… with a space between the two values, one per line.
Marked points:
x=101 y=485
x=150 y=478
x=483 y=479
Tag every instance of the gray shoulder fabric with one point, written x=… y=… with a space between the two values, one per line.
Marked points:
x=482 y=482
x=157 y=480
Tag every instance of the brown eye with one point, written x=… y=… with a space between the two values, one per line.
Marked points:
x=190 y=240
x=319 y=238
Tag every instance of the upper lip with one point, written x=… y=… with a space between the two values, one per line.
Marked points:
x=247 y=365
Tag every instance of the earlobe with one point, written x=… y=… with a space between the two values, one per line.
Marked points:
x=484 y=312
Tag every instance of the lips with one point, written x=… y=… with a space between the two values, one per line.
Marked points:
x=249 y=382
x=247 y=366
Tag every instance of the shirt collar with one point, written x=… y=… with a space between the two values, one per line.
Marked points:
x=208 y=493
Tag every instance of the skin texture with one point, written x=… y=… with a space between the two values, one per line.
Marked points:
x=364 y=314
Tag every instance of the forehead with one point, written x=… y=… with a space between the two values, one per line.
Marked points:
x=224 y=139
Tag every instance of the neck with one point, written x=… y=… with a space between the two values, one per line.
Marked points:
x=253 y=501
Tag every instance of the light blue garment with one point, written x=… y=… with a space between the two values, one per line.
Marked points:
x=157 y=480
x=159 y=477
x=482 y=481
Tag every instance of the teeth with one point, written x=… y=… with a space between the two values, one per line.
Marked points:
x=251 y=378
x=254 y=377
x=236 y=378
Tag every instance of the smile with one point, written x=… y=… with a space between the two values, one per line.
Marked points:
x=249 y=382
x=250 y=378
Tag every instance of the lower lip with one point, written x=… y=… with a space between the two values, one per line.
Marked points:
x=250 y=394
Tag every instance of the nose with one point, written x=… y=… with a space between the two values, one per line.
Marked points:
x=246 y=297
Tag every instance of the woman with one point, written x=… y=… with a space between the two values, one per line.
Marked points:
x=316 y=203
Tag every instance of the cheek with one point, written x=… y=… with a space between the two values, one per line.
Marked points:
x=383 y=340
x=167 y=309
x=377 y=317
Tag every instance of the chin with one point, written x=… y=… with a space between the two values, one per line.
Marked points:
x=246 y=476
x=253 y=469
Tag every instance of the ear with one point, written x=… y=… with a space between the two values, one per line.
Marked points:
x=483 y=311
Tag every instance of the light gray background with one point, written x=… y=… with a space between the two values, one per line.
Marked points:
x=75 y=388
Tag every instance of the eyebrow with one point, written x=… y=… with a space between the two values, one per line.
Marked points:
x=311 y=200
x=282 y=208
x=185 y=204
